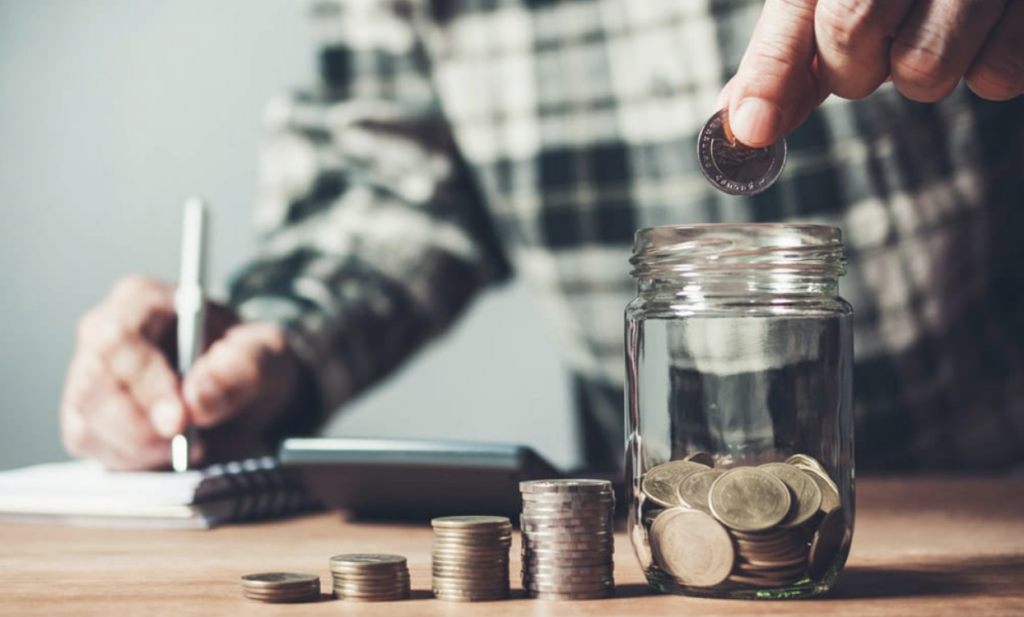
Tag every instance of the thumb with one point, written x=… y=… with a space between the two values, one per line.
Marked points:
x=224 y=380
x=776 y=87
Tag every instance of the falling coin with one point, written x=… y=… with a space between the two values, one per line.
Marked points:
x=733 y=167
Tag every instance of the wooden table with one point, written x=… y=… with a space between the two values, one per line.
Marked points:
x=921 y=547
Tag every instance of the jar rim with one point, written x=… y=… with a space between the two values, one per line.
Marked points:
x=798 y=247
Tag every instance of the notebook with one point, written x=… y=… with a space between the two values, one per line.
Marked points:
x=84 y=493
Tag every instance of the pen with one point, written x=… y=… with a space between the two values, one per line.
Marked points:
x=190 y=307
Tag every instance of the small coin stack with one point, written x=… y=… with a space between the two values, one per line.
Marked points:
x=470 y=557
x=370 y=577
x=568 y=539
x=281 y=587
x=766 y=526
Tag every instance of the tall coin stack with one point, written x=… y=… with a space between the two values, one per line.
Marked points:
x=568 y=539
x=470 y=557
x=370 y=577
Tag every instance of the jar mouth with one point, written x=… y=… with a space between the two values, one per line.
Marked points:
x=800 y=248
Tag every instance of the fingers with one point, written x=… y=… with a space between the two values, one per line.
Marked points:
x=100 y=420
x=937 y=44
x=853 y=40
x=998 y=72
x=776 y=86
x=242 y=370
x=141 y=306
x=123 y=332
x=118 y=375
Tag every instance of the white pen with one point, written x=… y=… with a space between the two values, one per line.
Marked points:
x=189 y=303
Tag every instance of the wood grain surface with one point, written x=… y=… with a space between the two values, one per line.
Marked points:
x=921 y=547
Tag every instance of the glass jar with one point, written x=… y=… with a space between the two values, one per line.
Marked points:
x=739 y=359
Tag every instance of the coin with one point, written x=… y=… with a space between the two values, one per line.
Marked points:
x=701 y=458
x=829 y=491
x=803 y=490
x=807 y=461
x=661 y=483
x=693 y=490
x=733 y=167
x=828 y=542
x=748 y=499
x=592 y=595
x=473 y=522
x=279 y=580
x=565 y=486
x=368 y=561
x=693 y=547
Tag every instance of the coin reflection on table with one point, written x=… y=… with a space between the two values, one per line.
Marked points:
x=733 y=167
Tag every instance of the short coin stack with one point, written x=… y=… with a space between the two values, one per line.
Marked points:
x=766 y=526
x=568 y=539
x=281 y=587
x=370 y=577
x=470 y=557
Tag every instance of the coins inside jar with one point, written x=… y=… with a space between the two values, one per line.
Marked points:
x=733 y=167
x=764 y=526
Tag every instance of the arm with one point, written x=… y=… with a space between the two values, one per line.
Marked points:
x=373 y=237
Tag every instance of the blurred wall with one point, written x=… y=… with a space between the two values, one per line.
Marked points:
x=111 y=112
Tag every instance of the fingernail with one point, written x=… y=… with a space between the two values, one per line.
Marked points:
x=757 y=122
x=166 y=416
x=202 y=394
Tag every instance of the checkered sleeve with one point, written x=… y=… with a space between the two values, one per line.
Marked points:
x=373 y=236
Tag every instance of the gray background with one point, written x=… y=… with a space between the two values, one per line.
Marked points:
x=111 y=112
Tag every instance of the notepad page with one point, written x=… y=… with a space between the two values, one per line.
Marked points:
x=86 y=484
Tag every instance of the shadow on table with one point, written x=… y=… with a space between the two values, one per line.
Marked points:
x=983 y=575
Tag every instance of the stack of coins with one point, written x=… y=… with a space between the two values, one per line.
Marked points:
x=568 y=540
x=370 y=577
x=470 y=557
x=281 y=587
x=767 y=526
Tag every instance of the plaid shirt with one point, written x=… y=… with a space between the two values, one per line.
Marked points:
x=452 y=143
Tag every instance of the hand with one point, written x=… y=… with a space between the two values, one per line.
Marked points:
x=804 y=50
x=123 y=400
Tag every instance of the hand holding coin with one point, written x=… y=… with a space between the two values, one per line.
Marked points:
x=804 y=50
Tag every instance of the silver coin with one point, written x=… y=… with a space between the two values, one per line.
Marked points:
x=472 y=522
x=543 y=498
x=568 y=518
x=552 y=575
x=368 y=561
x=598 y=570
x=531 y=524
x=279 y=580
x=569 y=545
x=566 y=596
x=295 y=591
x=567 y=485
x=562 y=536
x=733 y=167
x=590 y=560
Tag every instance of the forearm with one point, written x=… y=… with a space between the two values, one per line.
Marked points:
x=373 y=235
